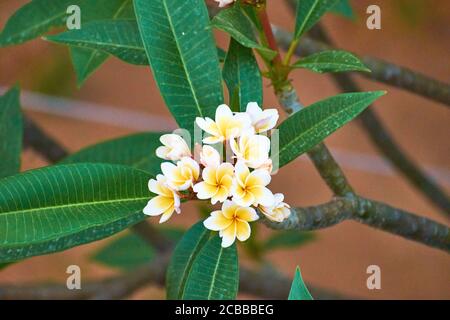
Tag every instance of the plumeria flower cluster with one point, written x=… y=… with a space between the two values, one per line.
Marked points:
x=239 y=184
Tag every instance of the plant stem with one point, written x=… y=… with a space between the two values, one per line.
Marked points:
x=291 y=51
x=269 y=37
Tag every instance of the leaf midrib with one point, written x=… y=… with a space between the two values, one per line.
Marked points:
x=302 y=26
x=172 y=28
x=190 y=263
x=302 y=64
x=75 y=43
x=215 y=273
x=36 y=26
x=318 y=123
x=95 y=51
x=74 y=205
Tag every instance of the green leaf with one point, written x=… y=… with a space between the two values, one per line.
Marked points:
x=131 y=251
x=309 y=13
x=56 y=208
x=288 y=239
x=39 y=16
x=11 y=129
x=183 y=258
x=309 y=126
x=183 y=56
x=137 y=150
x=119 y=38
x=331 y=61
x=86 y=61
x=298 y=288
x=344 y=8
x=241 y=72
x=251 y=12
x=237 y=24
x=33 y=20
x=215 y=273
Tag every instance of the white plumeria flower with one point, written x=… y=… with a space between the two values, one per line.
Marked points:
x=249 y=188
x=262 y=120
x=217 y=183
x=252 y=149
x=181 y=176
x=225 y=126
x=232 y=222
x=165 y=203
x=209 y=157
x=279 y=211
x=174 y=148
x=224 y=3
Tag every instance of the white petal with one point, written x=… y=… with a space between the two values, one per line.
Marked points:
x=209 y=157
x=228 y=235
x=244 y=121
x=265 y=198
x=161 y=152
x=268 y=120
x=243 y=230
x=208 y=125
x=205 y=190
x=223 y=112
x=212 y=140
x=156 y=206
x=169 y=139
x=253 y=110
x=260 y=175
x=168 y=169
x=241 y=171
x=217 y=221
x=227 y=204
x=247 y=214
x=245 y=201
x=278 y=198
x=153 y=186
x=166 y=216
x=192 y=165
x=177 y=202
x=235 y=148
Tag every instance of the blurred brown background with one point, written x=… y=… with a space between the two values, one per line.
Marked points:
x=414 y=34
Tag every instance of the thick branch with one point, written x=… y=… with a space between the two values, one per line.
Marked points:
x=37 y=139
x=371 y=213
x=267 y=283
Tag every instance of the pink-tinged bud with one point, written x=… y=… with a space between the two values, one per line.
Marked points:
x=224 y=3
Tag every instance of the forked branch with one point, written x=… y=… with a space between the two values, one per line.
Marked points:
x=372 y=213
